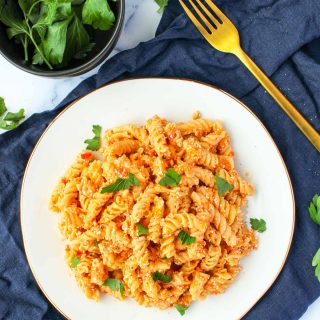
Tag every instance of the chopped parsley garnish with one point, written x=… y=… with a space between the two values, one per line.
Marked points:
x=75 y=262
x=141 y=229
x=171 y=178
x=222 y=185
x=122 y=184
x=185 y=238
x=114 y=285
x=181 y=309
x=94 y=143
x=161 y=277
x=258 y=225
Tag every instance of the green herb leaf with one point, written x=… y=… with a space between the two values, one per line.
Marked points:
x=161 y=277
x=9 y=15
x=171 y=178
x=8 y=125
x=185 y=238
x=316 y=263
x=78 y=40
x=258 y=225
x=314 y=209
x=162 y=4
x=16 y=117
x=222 y=185
x=54 y=44
x=94 y=143
x=181 y=309
x=121 y=184
x=141 y=229
x=75 y=262
x=133 y=180
x=3 y=107
x=114 y=285
x=96 y=243
x=98 y=14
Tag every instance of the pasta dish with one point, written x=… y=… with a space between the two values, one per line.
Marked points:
x=155 y=213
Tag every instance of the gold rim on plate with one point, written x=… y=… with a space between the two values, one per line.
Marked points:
x=158 y=78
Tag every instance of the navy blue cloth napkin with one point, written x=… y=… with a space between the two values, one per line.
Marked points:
x=282 y=36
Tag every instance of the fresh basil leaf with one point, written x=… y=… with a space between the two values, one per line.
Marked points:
x=162 y=4
x=16 y=117
x=98 y=14
x=171 y=178
x=54 y=44
x=94 y=143
x=142 y=230
x=75 y=262
x=3 y=107
x=114 y=285
x=185 y=238
x=121 y=184
x=314 y=209
x=316 y=263
x=222 y=185
x=181 y=309
x=161 y=277
x=258 y=225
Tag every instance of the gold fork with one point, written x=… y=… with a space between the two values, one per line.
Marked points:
x=223 y=35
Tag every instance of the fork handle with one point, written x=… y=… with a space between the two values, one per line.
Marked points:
x=284 y=103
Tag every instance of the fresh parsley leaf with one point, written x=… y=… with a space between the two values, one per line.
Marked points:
x=222 y=185
x=314 y=209
x=181 y=309
x=10 y=120
x=171 y=178
x=133 y=180
x=54 y=44
x=162 y=4
x=98 y=14
x=16 y=117
x=3 y=107
x=96 y=243
x=185 y=238
x=258 y=225
x=161 y=277
x=121 y=184
x=94 y=143
x=78 y=40
x=114 y=285
x=141 y=229
x=316 y=264
x=75 y=262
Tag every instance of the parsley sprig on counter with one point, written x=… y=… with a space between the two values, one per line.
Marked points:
x=52 y=32
x=314 y=211
x=9 y=120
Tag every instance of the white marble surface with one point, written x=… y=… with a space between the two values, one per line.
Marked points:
x=37 y=94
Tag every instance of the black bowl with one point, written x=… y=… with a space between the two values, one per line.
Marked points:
x=104 y=40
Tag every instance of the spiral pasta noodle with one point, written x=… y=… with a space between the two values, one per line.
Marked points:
x=163 y=234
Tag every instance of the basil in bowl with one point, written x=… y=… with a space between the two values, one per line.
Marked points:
x=57 y=38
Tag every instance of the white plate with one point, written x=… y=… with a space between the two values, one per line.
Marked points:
x=133 y=102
